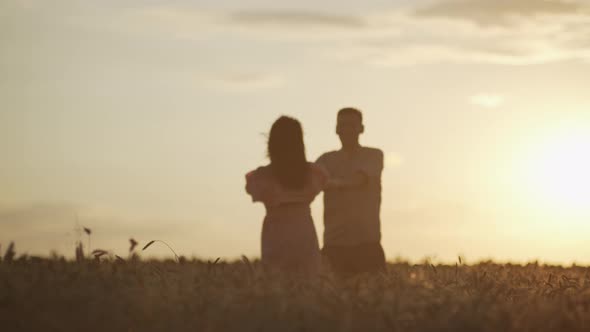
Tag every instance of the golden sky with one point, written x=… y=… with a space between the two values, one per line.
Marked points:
x=140 y=119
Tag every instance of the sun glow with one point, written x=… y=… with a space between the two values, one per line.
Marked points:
x=557 y=171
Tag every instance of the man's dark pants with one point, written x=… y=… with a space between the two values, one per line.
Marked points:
x=350 y=260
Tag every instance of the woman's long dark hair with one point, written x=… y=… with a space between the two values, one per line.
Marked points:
x=286 y=151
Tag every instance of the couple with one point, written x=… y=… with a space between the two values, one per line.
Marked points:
x=351 y=181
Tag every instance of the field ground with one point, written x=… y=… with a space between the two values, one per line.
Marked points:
x=135 y=295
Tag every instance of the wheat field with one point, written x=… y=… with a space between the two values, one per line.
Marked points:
x=110 y=293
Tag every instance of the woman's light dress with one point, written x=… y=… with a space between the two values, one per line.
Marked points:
x=289 y=240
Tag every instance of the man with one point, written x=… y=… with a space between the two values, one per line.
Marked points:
x=352 y=201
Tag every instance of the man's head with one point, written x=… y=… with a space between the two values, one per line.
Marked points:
x=349 y=126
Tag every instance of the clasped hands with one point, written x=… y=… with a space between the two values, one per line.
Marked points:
x=358 y=179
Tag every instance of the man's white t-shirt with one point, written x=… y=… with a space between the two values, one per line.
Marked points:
x=351 y=215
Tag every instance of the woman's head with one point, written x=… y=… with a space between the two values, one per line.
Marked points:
x=287 y=153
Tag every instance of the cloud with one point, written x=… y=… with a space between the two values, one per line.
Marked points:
x=505 y=32
x=549 y=31
x=242 y=81
x=192 y=22
x=296 y=18
x=434 y=41
x=487 y=100
x=498 y=12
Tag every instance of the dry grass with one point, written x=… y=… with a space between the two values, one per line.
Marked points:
x=191 y=295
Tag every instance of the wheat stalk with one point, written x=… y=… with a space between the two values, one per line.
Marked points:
x=88 y=232
x=10 y=253
x=167 y=245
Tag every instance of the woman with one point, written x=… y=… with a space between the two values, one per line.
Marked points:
x=287 y=186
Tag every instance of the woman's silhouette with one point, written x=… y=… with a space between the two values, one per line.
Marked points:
x=287 y=186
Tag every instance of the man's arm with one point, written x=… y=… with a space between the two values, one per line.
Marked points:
x=373 y=167
x=333 y=182
x=339 y=183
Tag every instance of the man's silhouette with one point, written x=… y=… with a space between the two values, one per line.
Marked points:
x=352 y=200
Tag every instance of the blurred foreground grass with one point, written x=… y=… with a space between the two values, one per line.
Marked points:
x=54 y=294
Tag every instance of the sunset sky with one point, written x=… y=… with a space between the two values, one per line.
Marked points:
x=140 y=118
